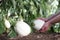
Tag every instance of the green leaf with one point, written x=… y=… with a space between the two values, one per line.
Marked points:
x=12 y=34
x=2 y=28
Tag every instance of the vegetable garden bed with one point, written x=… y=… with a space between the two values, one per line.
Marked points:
x=28 y=10
x=35 y=36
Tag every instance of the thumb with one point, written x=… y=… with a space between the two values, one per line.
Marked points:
x=44 y=19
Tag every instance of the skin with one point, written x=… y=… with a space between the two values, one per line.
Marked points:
x=50 y=21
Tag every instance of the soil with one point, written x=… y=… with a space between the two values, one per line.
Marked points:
x=34 y=36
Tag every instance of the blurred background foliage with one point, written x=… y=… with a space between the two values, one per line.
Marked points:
x=29 y=10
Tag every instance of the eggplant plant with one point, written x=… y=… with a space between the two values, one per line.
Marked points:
x=29 y=10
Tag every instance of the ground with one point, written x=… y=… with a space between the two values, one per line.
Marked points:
x=35 y=36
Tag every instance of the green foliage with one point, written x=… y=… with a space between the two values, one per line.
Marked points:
x=12 y=34
x=28 y=9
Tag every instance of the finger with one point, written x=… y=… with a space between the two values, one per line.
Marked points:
x=44 y=29
x=44 y=19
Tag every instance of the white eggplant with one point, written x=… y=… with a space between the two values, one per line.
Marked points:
x=22 y=28
x=38 y=24
x=7 y=23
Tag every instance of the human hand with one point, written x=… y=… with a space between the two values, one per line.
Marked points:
x=46 y=26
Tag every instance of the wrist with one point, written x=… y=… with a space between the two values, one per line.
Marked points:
x=50 y=22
